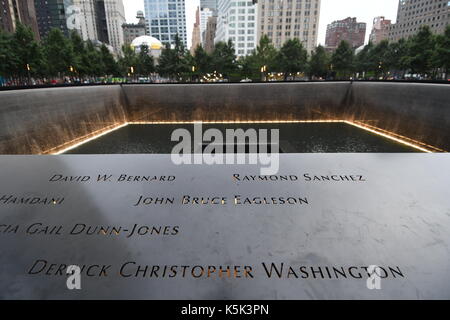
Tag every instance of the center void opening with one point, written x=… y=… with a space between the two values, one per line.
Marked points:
x=314 y=137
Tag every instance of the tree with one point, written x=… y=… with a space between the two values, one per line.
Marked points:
x=248 y=67
x=92 y=60
x=362 y=63
x=420 y=51
x=79 y=53
x=7 y=56
x=441 y=55
x=109 y=63
x=292 y=57
x=319 y=62
x=145 y=63
x=202 y=61
x=26 y=51
x=129 y=61
x=224 y=58
x=58 y=53
x=342 y=60
x=173 y=62
x=266 y=54
x=397 y=56
x=377 y=58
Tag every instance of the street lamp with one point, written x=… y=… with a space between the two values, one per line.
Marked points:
x=193 y=71
x=263 y=70
x=131 y=73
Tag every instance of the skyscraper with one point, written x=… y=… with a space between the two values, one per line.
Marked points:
x=282 y=20
x=205 y=14
x=87 y=19
x=348 y=30
x=208 y=9
x=210 y=34
x=237 y=22
x=115 y=18
x=52 y=14
x=14 y=11
x=166 y=19
x=96 y=20
x=412 y=14
x=196 y=35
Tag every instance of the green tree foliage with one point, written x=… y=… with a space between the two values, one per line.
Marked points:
x=266 y=54
x=396 y=56
x=342 y=60
x=224 y=59
x=58 y=53
x=79 y=54
x=58 y=56
x=173 y=61
x=7 y=57
x=319 y=63
x=248 y=67
x=110 y=67
x=27 y=54
x=441 y=57
x=129 y=61
x=92 y=61
x=201 y=61
x=292 y=58
x=377 y=58
x=362 y=62
x=145 y=62
x=420 y=51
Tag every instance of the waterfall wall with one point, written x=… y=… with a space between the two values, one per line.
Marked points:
x=36 y=121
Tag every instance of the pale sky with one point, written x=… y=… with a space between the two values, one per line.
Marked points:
x=364 y=10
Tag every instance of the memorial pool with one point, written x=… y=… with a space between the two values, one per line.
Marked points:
x=308 y=137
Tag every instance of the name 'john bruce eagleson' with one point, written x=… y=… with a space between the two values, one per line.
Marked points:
x=222 y=200
x=280 y=270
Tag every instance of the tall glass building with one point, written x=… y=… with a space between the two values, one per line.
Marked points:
x=237 y=22
x=166 y=19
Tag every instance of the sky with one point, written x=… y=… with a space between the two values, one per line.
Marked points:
x=331 y=10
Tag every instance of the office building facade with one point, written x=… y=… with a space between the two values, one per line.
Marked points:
x=166 y=19
x=380 y=30
x=210 y=34
x=412 y=14
x=237 y=22
x=348 y=30
x=18 y=11
x=132 y=31
x=282 y=20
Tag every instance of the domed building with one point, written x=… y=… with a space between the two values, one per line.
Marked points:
x=154 y=45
